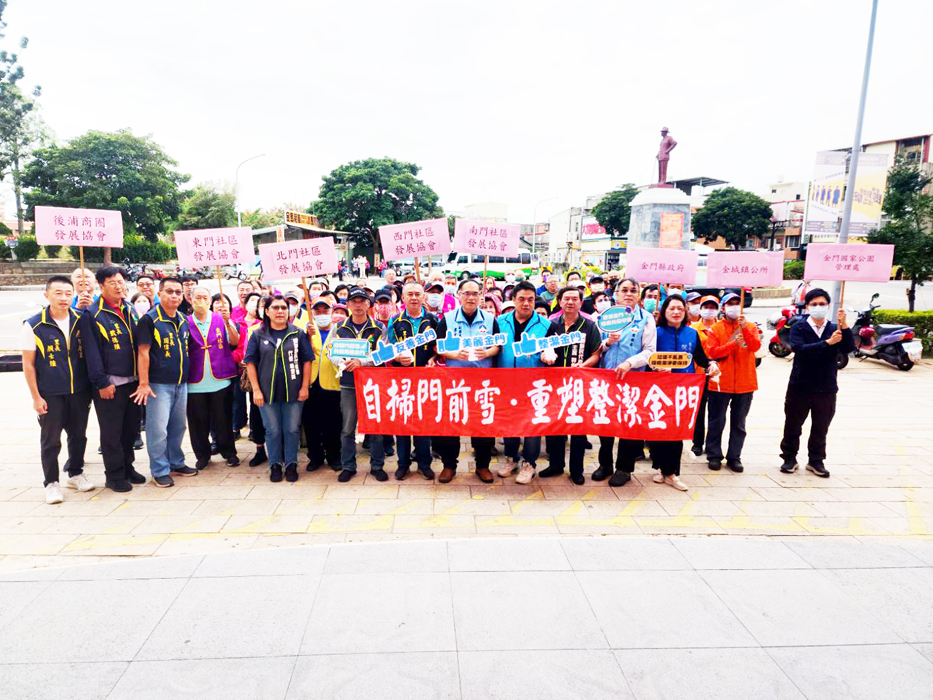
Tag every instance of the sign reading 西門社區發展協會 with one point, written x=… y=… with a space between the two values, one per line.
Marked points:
x=532 y=346
x=215 y=246
x=661 y=265
x=415 y=239
x=842 y=262
x=738 y=268
x=453 y=343
x=486 y=238
x=305 y=258
x=89 y=228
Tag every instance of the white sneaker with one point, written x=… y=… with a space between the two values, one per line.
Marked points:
x=658 y=478
x=53 y=494
x=675 y=482
x=80 y=482
x=525 y=474
x=508 y=468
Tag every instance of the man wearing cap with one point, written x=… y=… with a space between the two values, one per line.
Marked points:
x=693 y=307
x=708 y=314
x=433 y=298
x=732 y=342
x=321 y=416
x=360 y=327
x=597 y=284
x=384 y=309
x=412 y=321
x=812 y=387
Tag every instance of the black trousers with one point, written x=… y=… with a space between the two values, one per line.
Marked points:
x=666 y=455
x=556 y=446
x=322 y=423
x=119 y=424
x=239 y=405
x=449 y=450
x=699 y=428
x=255 y=423
x=718 y=403
x=68 y=412
x=630 y=451
x=422 y=445
x=211 y=413
x=821 y=409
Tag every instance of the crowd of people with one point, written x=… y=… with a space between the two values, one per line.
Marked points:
x=176 y=358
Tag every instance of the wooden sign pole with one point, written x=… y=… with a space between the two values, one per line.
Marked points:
x=220 y=283
x=418 y=270
x=485 y=265
x=304 y=288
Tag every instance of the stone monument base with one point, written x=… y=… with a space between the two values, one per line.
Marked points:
x=647 y=208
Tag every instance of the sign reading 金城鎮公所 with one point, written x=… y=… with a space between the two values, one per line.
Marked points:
x=486 y=238
x=94 y=228
x=738 y=268
x=414 y=240
x=841 y=262
x=214 y=246
x=662 y=265
x=305 y=258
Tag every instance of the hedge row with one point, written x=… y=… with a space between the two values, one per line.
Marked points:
x=922 y=322
x=136 y=248
x=793 y=269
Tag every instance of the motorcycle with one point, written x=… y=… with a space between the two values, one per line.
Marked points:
x=892 y=342
x=781 y=322
x=236 y=272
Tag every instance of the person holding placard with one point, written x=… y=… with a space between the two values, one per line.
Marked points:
x=321 y=417
x=733 y=341
x=108 y=330
x=812 y=387
x=625 y=350
x=85 y=289
x=708 y=313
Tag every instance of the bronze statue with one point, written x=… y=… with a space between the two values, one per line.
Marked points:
x=668 y=144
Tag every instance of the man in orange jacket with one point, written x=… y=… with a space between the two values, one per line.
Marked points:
x=732 y=342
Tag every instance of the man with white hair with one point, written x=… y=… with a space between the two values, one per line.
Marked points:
x=85 y=288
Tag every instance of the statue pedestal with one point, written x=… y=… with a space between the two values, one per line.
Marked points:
x=647 y=207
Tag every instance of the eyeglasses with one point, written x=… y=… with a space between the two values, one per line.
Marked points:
x=628 y=290
x=469 y=294
x=171 y=292
x=278 y=307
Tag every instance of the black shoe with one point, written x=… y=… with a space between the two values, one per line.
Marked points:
x=234 y=461
x=589 y=445
x=202 y=463
x=345 y=476
x=291 y=472
x=697 y=450
x=134 y=477
x=250 y=436
x=184 y=471
x=98 y=450
x=401 y=473
x=735 y=465
x=163 y=482
x=620 y=479
x=335 y=466
x=380 y=474
x=551 y=471
x=390 y=452
x=714 y=464
x=818 y=469
x=215 y=449
x=118 y=485
x=311 y=467
x=789 y=467
x=366 y=442
x=494 y=451
x=275 y=473
x=259 y=458
x=602 y=474
x=427 y=473
x=138 y=444
x=578 y=479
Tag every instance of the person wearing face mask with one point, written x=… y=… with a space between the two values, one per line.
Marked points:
x=708 y=313
x=340 y=292
x=510 y=278
x=733 y=342
x=141 y=303
x=651 y=299
x=211 y=340
x=434 y=298
x=812 y=387
x=321 y=417
x=384 y=307
x=451 y=301
x=597 y=285
x=294 y=307
x=251 y=321
x=601 y=303
x=693 y=307
x=341 y=314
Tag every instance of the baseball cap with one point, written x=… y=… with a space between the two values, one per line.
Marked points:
x=325 y=301
x=692 y=296
x=357 y=293
x=709 y=298
x=383 y=294
x=729 y=296
x=434 y=285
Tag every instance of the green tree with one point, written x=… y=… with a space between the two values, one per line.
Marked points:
x=13 y=105
x=28 y=134
x=361 y=196
x=209 y=206
x=910 y=228
x=614 y=211
x=733 y=214
x=101 y=170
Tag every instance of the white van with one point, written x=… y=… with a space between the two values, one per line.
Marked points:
x=464 y=265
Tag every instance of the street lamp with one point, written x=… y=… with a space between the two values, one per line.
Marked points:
x=236 y=188
x=534 y=224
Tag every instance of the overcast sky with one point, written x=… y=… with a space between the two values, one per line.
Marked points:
x=496 y=100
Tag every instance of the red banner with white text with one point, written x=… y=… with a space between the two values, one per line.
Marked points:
x=519 y=402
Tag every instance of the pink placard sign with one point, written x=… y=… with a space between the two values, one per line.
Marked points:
x=97 y=228
x=738 y=268
x=292 y=259
x=415 y=239
x=840 y=262
x=215 y=246
x=662 y=265
x=486 y=238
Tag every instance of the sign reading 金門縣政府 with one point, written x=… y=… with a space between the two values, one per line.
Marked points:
x=305 y=258
x=486 y=238
x=545 y=401
x=215 y=246
x=661 y=265
x=415 y=239
x=841 y=262
x=738 y=268
x=95 y=228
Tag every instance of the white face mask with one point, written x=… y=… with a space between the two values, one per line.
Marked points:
x=435 y=300
x=142 y=307
x=323 y=321
x=602 y=305
x=292 y=310
x=252 y=307
x=450 y=288
x=314 y=294
x=694 y=309
x=733 y=312
x=510 y=278
x=709 y=313
x=818 y=312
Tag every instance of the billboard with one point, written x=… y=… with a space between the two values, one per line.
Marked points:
x=824 y=205
x=591 y=230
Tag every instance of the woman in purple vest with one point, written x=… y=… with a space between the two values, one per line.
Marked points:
x=210 y=387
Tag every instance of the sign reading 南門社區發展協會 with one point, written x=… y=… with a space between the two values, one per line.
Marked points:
x=486 y=238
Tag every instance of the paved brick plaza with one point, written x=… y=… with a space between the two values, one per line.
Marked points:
x=880 y=456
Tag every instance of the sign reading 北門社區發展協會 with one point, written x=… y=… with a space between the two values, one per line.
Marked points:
x=305 y=258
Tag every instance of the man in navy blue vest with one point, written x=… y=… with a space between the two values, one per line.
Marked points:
x=53 y=363
x=812 y=387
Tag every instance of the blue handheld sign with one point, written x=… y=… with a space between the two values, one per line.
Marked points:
x=615 y=319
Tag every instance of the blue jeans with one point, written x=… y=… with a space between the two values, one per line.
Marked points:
x=166 y=413
x=531 y=449
x=282 y=421
x=348 y=436
x=422 y=450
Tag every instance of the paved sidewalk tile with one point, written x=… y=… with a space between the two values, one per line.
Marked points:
x=623 y=553
x=388 y=558
x=507 y=555
x=306 y=561
x=843 y=553
x=60 y=681
x=206 y=679
x=738 y=553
